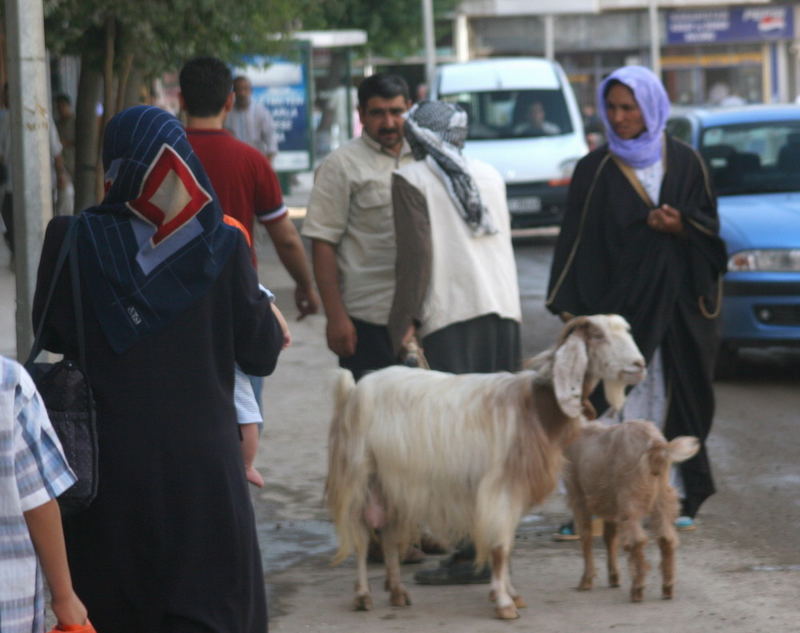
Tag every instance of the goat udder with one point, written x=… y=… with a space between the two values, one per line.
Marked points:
x=374 y=513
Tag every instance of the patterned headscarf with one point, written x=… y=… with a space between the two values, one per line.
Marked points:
x=156 y=242
x=645 y=149
x=436 y=132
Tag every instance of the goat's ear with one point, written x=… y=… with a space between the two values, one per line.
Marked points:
x=569 y=369
x=682 y=448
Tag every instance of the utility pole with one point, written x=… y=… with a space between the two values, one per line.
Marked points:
x=430 y=44
x=655 y=39
x=549 y=36
x=30 y=123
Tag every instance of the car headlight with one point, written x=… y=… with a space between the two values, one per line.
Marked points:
x=772 y=260
x=566 y=167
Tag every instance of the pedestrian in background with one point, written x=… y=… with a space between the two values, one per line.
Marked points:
x=351 y=226
x=242 y=178
x=59 y=179
x=456 y=278
x=640 y=238
x=65 y=125
x=34 y=472
x=171 y=302
x=592 y=126
x=250 y=121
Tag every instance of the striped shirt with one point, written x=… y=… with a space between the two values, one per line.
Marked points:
x=247 y=411
x=33 y=471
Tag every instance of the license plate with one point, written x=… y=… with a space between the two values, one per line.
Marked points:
x=526 y=204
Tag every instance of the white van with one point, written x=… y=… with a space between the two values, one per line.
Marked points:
x=523 y=120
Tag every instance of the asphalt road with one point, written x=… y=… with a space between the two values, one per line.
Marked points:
x=755 y=441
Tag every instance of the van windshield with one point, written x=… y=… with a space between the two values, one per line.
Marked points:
x=503 y=114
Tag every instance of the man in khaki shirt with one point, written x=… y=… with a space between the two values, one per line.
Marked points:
x=351 y=225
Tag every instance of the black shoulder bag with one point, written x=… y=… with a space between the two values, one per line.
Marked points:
x=65 y=390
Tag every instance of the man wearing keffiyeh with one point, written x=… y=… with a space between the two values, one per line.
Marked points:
x=456 y=280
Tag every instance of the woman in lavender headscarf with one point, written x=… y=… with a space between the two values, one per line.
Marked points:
x=640 y=238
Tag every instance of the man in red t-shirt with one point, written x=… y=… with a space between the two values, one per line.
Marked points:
x=243 y=179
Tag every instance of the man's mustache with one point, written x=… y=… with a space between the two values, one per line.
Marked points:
x=388 y=130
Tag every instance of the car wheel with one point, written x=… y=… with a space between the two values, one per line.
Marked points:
x=727 y=362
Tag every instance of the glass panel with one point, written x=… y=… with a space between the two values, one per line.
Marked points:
x=680 y=128
x=514 y=113
x=753 y=158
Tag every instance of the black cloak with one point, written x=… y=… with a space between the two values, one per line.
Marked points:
x=608 y=260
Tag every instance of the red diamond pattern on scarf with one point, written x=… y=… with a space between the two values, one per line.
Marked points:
x=170 y=195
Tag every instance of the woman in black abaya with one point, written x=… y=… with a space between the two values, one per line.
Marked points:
x=640 y=238
x=170 y=302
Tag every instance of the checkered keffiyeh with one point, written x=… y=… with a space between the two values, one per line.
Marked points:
x=436 y=132
x=156 y=242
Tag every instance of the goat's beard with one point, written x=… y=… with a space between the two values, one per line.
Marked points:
x=614 y=391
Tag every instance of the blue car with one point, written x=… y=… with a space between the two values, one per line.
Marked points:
x=753 y=157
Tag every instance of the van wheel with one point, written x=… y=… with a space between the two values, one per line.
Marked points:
x=727 y=362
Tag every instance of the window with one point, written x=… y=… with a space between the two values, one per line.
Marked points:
x=504 y=114
x=754 y=157
x=680 y=128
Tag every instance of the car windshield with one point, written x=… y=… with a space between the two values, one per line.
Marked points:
x=753 y=157
x=514 y=113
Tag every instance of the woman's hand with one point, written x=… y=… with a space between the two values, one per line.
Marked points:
x=666 y=219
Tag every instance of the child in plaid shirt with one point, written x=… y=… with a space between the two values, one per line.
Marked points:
x=33 y=472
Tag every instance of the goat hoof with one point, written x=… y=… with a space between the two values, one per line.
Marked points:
x=613 y=580
x=508 y=612
x=363 y=602
x=492 y=596
x=400 y=598
x=666 y=592
x=637 y=594
x=585 y=584
x=519 y=602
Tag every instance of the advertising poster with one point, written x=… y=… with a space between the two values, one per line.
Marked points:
x=736 y=24
x=281 y=85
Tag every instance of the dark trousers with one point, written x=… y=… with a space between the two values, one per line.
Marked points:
x=481 y=345
x=373 y=349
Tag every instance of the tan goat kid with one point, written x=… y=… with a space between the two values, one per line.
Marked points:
x=621 y=474
x=466 y=455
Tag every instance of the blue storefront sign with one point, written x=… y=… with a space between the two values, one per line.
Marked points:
x=739 y=24
x=281 y=85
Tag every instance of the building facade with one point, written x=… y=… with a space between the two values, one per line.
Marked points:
x=708 y=52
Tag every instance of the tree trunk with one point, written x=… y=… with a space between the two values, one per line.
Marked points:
x=124 y=77
x=86 y=133
x=135 y=89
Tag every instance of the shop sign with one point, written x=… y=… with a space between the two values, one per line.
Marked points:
x=740 y=24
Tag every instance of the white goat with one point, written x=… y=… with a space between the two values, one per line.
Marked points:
x=621 y=474
x=466 y=455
